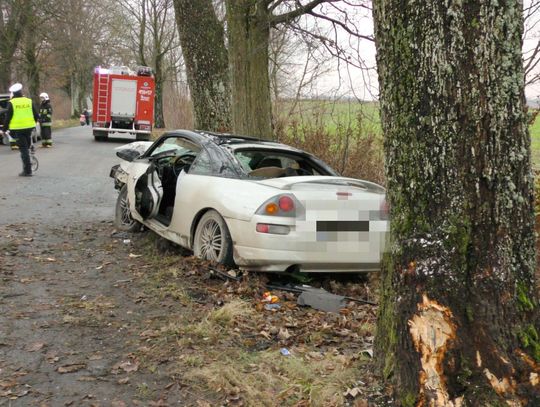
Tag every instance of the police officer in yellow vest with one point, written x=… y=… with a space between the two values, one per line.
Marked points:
x=21 y=118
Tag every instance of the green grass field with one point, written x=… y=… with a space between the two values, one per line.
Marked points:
x=333 y=115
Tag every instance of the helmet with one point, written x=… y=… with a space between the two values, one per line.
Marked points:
x=44 y=95
x=16 y=87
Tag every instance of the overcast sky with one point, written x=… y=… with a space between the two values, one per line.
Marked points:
x=345 y=80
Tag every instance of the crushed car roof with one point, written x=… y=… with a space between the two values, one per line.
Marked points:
x=231 y=139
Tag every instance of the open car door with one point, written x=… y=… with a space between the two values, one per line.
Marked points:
x=148 y=193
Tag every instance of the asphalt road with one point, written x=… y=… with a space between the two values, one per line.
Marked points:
x=72 y=183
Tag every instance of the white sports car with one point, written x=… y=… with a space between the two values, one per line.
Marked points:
x=259 y=205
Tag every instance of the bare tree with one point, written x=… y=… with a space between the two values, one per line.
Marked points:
x=459 y=319
x=153 y=35
x=249 y=26
x=13 y=23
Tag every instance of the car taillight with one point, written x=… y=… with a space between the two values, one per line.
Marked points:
x=272 y=229
x=280 y=205
x=262 y=227
x=286 y=203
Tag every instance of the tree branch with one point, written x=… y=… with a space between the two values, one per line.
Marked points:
x=297 y=12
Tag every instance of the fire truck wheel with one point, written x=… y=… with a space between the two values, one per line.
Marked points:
x=100 y=135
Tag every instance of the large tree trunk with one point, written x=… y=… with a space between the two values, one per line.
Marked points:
x=203 y=45
x=32 y=68
x=159 y=119
x=249 y=33
x=458 y=322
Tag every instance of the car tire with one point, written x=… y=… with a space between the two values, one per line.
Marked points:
x=122 y=215
x=212 y=239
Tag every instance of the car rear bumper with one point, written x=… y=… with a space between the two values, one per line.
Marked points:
x=306 y=250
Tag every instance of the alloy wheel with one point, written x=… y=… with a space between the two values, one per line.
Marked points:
x=211 y=240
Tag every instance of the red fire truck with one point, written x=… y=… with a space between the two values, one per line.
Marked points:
x=123 y=102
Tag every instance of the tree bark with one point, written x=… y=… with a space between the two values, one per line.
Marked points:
x=203 y=46
x=458 y=322
x=32 y=68
x=249 y=33
x=159 y=120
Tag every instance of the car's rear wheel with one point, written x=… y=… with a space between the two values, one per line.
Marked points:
x=212 y=239
x=122 y=218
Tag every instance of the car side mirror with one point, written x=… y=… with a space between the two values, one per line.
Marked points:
x=128 y=155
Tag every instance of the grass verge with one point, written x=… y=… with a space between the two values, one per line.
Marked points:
x=221 y=341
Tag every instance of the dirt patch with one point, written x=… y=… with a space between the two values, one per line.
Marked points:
x=93 y=319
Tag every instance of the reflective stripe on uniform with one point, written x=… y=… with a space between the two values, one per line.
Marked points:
x=23 y=116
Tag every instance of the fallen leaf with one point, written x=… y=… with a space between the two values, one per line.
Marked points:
x=71 y=368
x=354 y=392
x=8 y=383
x=284 y=334
x=315 y=355
x=149 y=334
x=265 y=334
x=34 y=347
x=129 y=366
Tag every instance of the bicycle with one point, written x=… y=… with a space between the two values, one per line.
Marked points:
x=33 y=159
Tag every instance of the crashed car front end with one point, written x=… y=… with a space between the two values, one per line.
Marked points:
x=127 y=153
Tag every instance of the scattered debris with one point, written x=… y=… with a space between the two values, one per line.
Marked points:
x=321 y=299
x=272 y=307
x=269 y=297
x=300 y=289
x=285 y=352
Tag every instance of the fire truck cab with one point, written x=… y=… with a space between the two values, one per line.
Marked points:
x=123 y=102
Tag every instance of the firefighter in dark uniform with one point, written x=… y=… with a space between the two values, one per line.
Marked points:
x=45 y=120
x=21 y=118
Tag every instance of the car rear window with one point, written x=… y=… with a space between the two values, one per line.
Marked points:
x=267 y=163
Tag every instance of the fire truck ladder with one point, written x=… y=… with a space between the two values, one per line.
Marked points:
x=103 y=96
